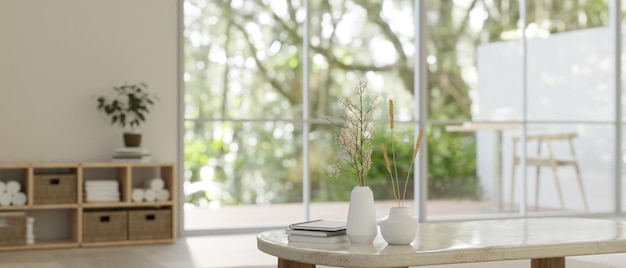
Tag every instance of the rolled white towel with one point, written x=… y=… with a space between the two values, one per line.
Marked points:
x=3 y=187
x=5 y=199
x=154 y=184
x=162 y=195
x=137 y=195
x=149 y=195
x=18 y=199
x=13 y=187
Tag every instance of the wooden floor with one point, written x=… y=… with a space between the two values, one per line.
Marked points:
x=217 y=251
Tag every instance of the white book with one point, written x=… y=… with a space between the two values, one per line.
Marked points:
x=319 y=225
x=315 y=233
x=317 y=239
x=141 y=159
x=132 y=150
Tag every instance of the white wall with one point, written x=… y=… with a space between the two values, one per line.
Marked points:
x=56 y=56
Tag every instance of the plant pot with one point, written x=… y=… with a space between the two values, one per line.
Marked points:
x=132 y=139
x=361 y=225
x=398 y=228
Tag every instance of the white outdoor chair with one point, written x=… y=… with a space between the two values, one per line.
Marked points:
x=548 y=159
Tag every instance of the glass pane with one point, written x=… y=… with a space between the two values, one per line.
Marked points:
x=242 y=174
x=557 y=31
x=353 y=40
x=459 y=55
x=469 y=44
x=243 y=59
x=561 y=159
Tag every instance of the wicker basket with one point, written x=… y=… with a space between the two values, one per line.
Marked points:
x=105 y=226
x=12 y=230
x=149 y=224
x=55 y=188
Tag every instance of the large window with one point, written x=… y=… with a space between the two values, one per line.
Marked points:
x=262 y=76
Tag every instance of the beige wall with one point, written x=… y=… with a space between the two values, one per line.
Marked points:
x=56 y=56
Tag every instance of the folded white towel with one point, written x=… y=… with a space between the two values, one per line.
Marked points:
x=102 y=195
x=18 y=199
x=102 y=199
x=3 y=187
x=5 y=199
x=13 y=187
x=137 y=195
x=95 y=188
x=101 y=183
x=154 y=184
x=149 y=195
x=162 y=195
x=103 y=186
x=100 y=191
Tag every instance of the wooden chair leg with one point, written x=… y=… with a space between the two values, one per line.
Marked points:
x=578 y=177
x=580 y=185
x=557 y=184
x=537 y=184
x=512 y=203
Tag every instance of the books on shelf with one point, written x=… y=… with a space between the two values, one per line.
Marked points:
x=131 y=154
x=131 y=159
x=132 y=151
x=317 y=239
x=317 y=231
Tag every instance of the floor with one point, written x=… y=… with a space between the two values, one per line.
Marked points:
x=249 y=216
x=228 y=251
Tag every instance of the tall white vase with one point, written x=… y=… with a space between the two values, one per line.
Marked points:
x=398 y=228
x=361 y=226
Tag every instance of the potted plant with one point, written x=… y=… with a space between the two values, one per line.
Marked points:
x=128 y=109
x=355 y=139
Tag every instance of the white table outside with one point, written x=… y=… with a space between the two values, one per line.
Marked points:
x=546 y=241
x=497 y=128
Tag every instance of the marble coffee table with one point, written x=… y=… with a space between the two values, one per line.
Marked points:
x=545 y=241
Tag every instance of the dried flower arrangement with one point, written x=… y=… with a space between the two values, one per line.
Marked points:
x=395 y=180
x=355 y=136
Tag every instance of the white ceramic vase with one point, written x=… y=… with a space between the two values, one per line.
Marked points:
x=361 y=226
x=398 y=228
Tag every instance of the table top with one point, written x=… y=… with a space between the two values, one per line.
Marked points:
x=462 y=242
x=478 y=126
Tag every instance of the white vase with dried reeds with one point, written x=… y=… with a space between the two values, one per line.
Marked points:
x=399 y=227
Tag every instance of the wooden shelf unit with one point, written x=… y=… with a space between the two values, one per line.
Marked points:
x=70 y=215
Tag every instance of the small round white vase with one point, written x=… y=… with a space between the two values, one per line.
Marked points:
x=398 y=228
x=361 y=224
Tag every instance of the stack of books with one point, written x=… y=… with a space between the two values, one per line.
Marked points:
x=317 y=231
x=131 y=154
